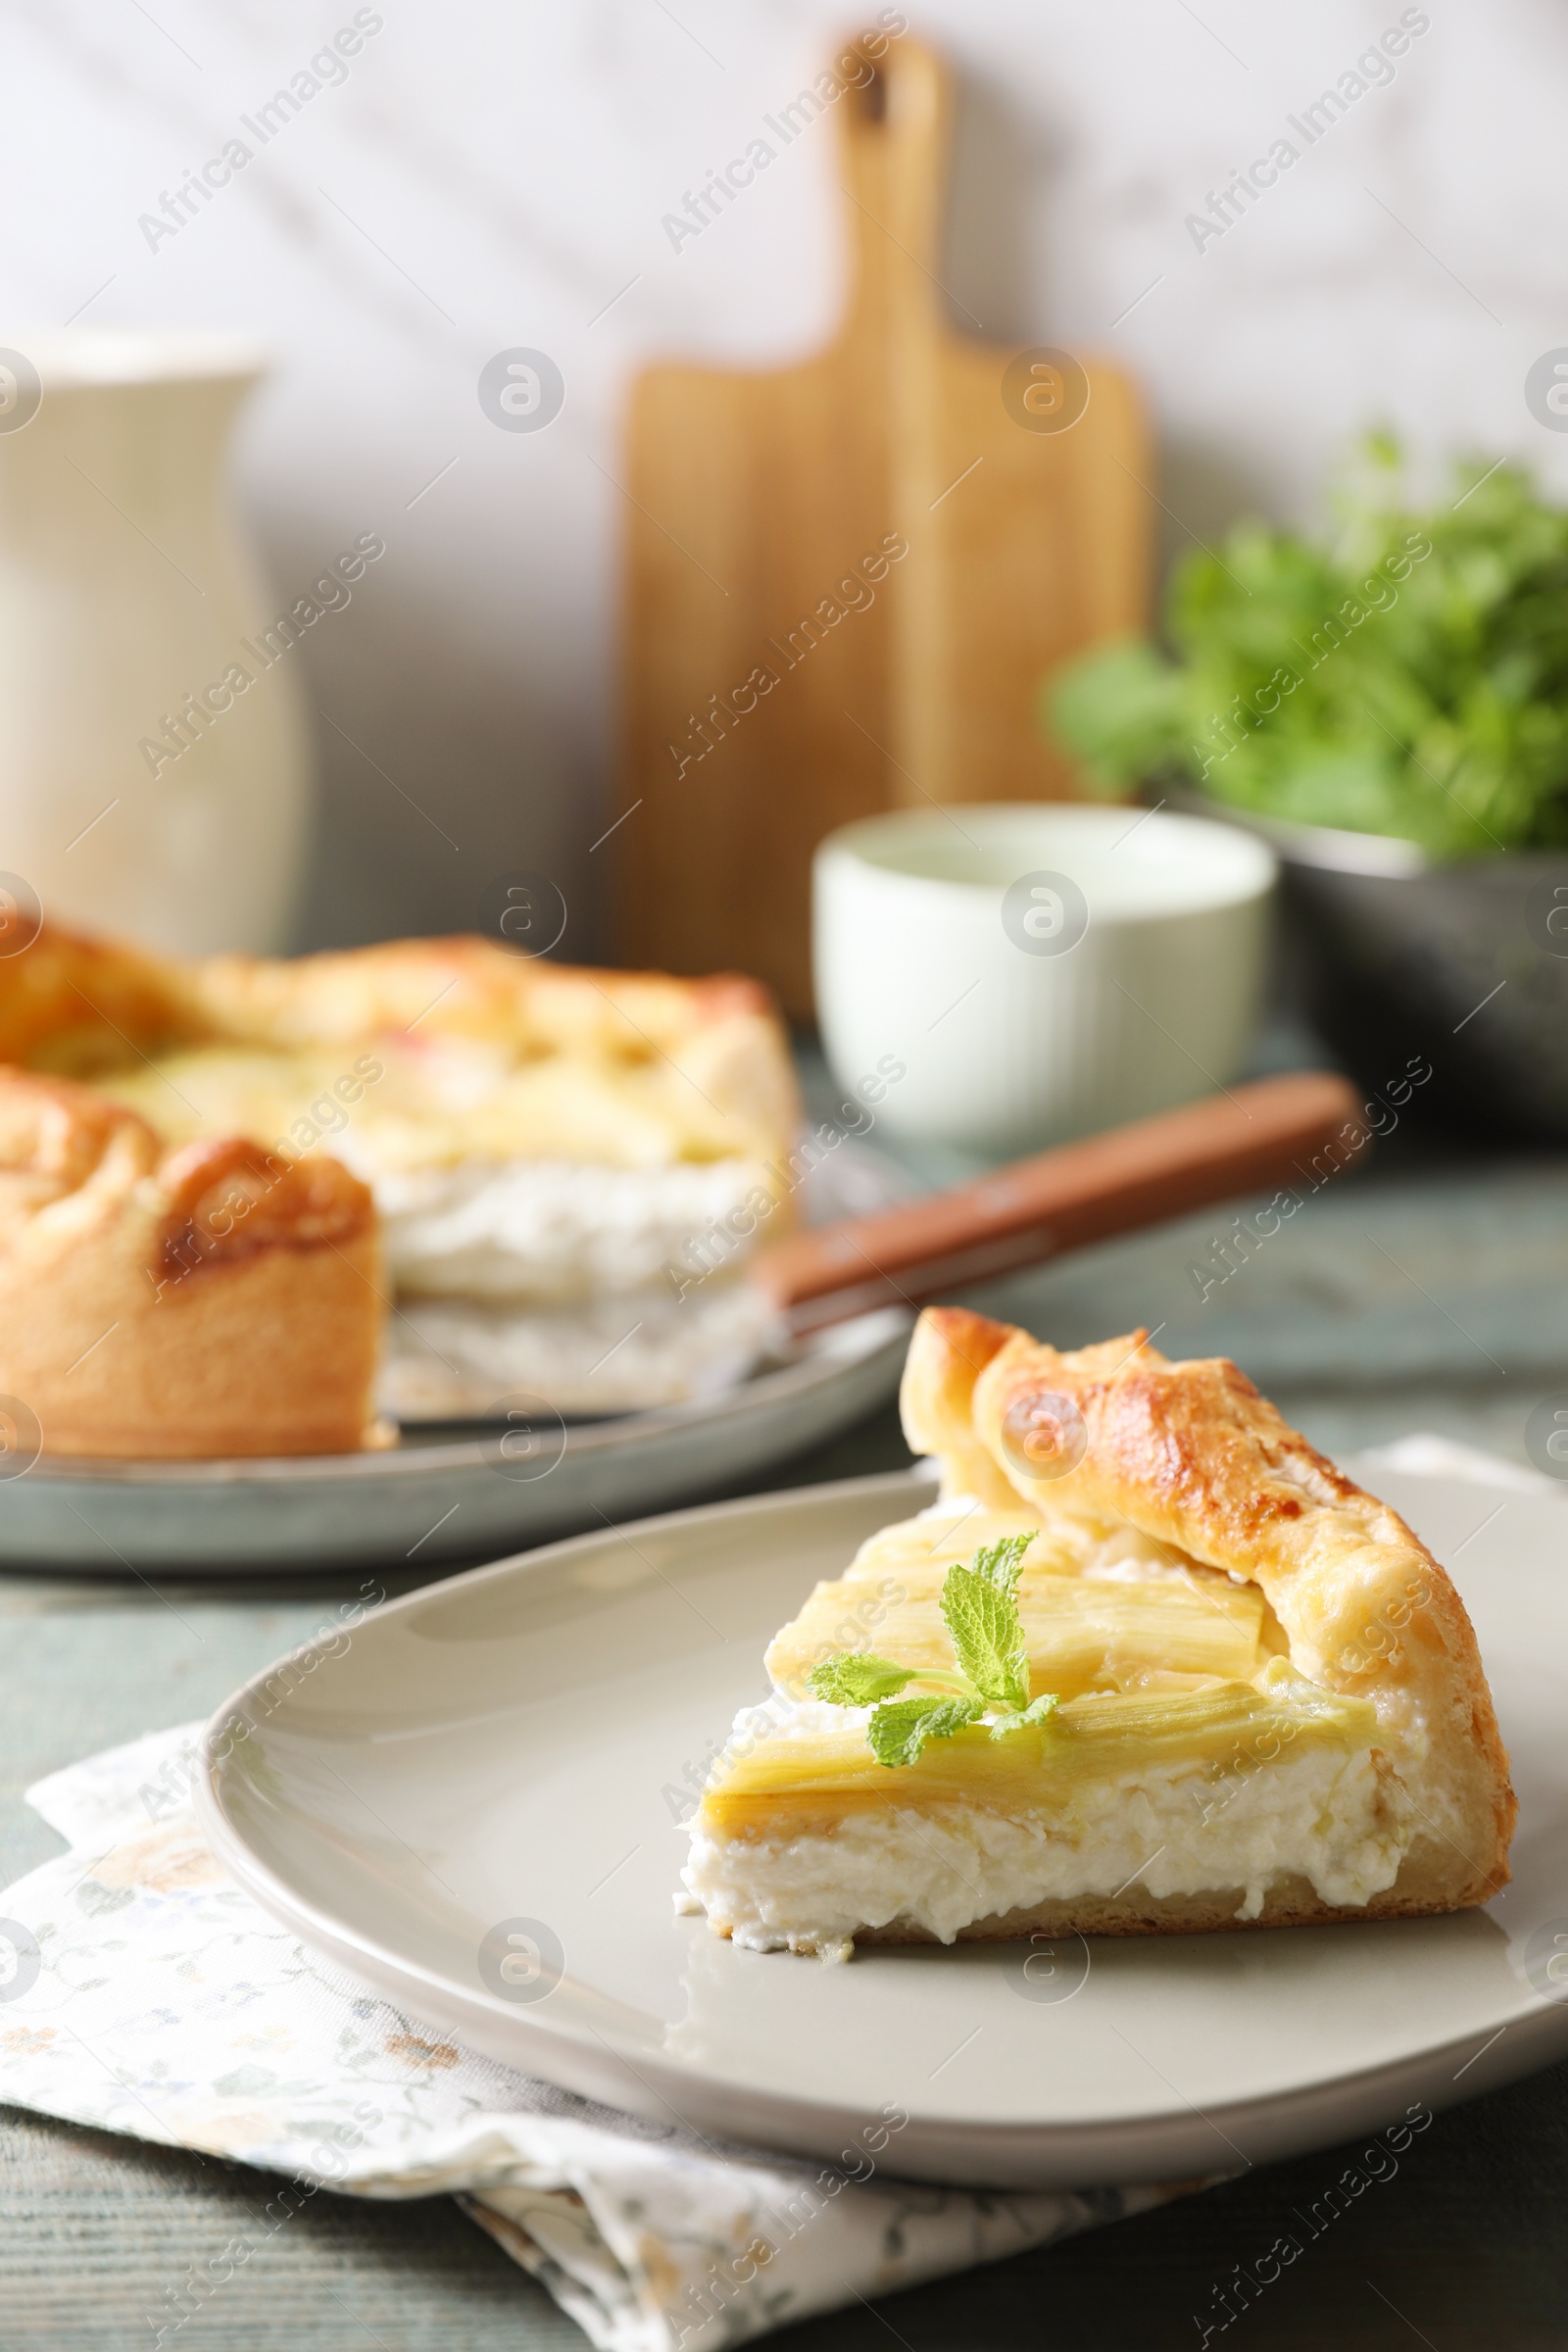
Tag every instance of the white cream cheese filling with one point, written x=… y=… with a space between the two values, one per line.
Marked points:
x=1318 y=1812
x=450 y=1359
x=547 y=1231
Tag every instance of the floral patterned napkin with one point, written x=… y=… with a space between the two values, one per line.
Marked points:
x=142 y=1991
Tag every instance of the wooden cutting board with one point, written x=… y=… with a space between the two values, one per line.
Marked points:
x=787 y=668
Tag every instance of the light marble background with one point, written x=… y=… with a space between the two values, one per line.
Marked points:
x=493 y=176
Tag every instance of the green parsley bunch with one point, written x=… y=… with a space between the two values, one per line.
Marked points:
x=1405 y=673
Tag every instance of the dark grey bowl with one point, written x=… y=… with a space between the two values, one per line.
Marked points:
x=1463 y=966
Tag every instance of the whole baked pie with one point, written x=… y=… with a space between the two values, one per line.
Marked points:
x=1150 y=1663
x=527 y=1146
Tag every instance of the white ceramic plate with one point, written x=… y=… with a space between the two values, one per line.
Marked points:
x=506 y=1755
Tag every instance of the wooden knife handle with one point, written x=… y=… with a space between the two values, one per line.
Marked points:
x=1229 y=1143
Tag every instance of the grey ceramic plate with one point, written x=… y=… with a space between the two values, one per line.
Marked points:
x=433 y=1498
x=508 y=1755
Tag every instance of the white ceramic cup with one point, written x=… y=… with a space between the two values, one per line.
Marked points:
x=1040 y=970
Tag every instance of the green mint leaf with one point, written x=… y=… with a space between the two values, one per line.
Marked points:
x=982 y=1617
x=858 y=1679
x=1039 y=1710
x=898 y=1730
x=1000 y=1563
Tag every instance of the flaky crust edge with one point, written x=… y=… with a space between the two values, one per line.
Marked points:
x=93 y=996
x=192 y=1304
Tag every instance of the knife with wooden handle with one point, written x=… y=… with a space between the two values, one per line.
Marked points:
x=1269 y=1132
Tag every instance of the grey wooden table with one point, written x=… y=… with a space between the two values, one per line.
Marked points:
x=1429 y=1294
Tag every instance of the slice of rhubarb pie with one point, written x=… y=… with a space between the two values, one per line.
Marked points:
x=1150 y=1664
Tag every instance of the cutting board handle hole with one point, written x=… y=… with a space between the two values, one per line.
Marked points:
x=874 y=97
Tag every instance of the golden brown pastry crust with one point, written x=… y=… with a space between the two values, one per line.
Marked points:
x=205 y=1301
x=78 y=1006
x=948 y=1350
x=464 y=987
x=1195 y=1458
x=86 y=1002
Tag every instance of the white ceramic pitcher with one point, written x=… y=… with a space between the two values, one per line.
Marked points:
x=140 y=794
